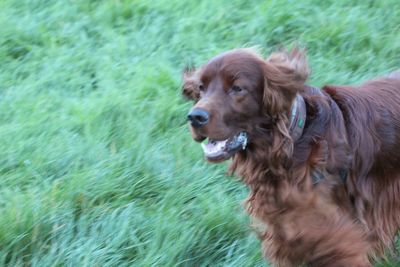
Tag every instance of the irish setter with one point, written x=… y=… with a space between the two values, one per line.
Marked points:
x=322 y=165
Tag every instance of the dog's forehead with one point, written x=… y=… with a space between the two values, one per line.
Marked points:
x=240 y=62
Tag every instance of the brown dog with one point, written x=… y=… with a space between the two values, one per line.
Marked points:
x=323 y=166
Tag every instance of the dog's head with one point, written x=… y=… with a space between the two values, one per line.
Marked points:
x=240 y=97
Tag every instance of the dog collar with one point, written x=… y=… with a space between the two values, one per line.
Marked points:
x=297 y=118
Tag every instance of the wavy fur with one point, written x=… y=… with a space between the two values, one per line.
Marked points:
x=332 y=223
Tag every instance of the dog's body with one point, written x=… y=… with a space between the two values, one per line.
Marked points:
x=323 y=166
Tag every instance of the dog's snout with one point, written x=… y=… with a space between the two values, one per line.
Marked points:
x=198 y=117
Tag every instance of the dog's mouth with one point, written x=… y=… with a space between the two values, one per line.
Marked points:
x=217 y=151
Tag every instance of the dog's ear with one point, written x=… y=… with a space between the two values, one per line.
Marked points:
x=190 y=86
x=285 y=73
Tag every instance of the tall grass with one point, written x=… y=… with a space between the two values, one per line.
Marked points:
x=96 y=164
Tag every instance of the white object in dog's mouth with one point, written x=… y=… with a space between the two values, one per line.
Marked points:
x=221 y=150
x=214 y=148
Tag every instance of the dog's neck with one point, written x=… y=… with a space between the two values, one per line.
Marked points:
x=297 y=118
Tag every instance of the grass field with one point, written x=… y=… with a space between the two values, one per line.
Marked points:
x=97 y=167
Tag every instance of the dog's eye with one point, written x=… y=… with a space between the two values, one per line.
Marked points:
x=201 y=88
x=236 y=89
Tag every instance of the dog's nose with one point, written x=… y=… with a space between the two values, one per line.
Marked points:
x=198 y=117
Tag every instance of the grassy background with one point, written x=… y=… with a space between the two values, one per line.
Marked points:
x=97 y=167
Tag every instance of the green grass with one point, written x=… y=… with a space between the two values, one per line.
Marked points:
x=97 y=167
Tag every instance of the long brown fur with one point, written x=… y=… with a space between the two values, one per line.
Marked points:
x=351 y=129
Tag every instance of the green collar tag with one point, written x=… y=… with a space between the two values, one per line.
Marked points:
x=300 y=123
